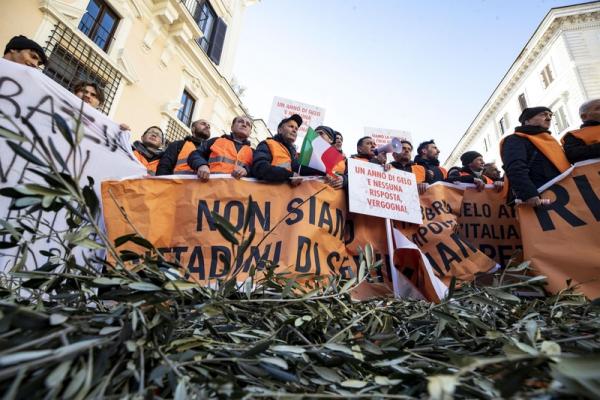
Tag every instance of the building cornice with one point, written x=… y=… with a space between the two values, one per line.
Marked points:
x=557 y=21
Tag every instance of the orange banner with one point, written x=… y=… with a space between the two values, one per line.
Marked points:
x=438 y=238
x=303 y=230
x=304 y=226
x=489 y=224
x=562 y=239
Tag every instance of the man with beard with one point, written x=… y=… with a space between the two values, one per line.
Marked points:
x=148 y=149
x=228 y=154
x=472 y=172
x=427 y=156
x=584 y=143
x=174 y=159
x=402 y=161
x=531 y=156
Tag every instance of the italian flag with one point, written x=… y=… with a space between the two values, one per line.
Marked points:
x=318 y=154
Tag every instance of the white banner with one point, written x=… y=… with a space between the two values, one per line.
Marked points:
x=392 y=194
x=28 y=100
x=312 y=116
x=382 y=136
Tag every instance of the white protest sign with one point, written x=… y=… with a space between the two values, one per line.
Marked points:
x=28 y=100
x=312 y=116
x=392 y=194
x=382 y=136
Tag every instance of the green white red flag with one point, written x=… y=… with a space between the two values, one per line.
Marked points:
x=318 y=154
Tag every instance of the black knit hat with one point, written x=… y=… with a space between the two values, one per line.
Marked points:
x=293 y=117
x=330 y=132
x=468 y=157
x=529 y=113
x=22 y=43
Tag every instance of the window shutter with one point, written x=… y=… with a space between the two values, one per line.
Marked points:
x=216 y=47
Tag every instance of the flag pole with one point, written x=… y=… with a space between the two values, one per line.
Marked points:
x=393 y=270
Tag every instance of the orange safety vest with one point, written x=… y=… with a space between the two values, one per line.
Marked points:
x=484 y=178
x=150 y=165
x=589 y=134
x=224 y=157
x=181 y=166
x=340 y=167
x=419 y=172
x=280 y=155
x=548 y=146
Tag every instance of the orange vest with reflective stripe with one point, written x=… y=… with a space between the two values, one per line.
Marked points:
x=150 y=165
x=181 y=166
x=589 y=134
x=484 y=178
x=280 y=155
x=548 y=146
x=224 y=157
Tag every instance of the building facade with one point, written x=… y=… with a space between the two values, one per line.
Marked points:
x=160 y=62
x=559 y=68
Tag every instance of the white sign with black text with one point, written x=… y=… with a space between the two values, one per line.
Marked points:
x=387 y=194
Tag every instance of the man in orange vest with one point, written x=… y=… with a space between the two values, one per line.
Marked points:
x=584 y=143
x=148 y=149
x=491 y=171
x=531 y=156
x=427 y=157
x=403 y=162
x=228 y=154
x=174 y=159
x=366 y=150
x=472 y=171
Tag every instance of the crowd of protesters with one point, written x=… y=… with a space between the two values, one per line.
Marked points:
x=530 y=156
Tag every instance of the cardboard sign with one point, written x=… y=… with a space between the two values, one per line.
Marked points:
x=382 y=136
x=392 y=194
x=282 y=108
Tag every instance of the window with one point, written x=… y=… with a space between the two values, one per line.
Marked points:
x=99 y=23
x=186 y=111
x=503 y=125
x=205 y=17
x=522 y=101
x=560 y=119
x=72 y=60
x=547 y=77
x=213 y=28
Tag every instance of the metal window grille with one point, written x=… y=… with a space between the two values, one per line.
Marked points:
x=72 y=60
x=175 y=131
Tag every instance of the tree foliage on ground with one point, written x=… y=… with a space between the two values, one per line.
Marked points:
x=116 y=324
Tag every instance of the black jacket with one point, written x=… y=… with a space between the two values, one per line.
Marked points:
x=144 y=151
x=577 y=150
x=262 y=168
x=169 y=159
x=433 y=166
x=455 y=176
x=200 y=156
x=527 y=168
x=407 y=167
